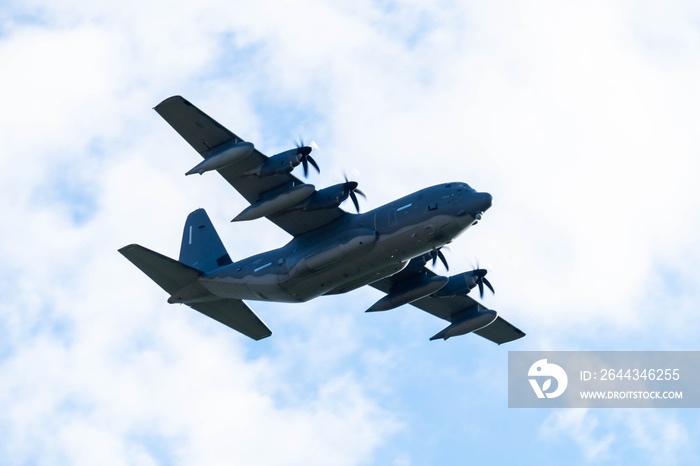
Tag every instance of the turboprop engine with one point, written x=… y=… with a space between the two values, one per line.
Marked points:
x=410 y=292
x=286 y=161
x=469 y=320
x=463 y=283
x=222 y=156
x=276 y=202
x=333 y=196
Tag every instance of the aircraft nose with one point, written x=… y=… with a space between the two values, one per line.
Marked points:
x=484 y=201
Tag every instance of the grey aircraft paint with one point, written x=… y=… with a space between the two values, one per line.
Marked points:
x=332 y=251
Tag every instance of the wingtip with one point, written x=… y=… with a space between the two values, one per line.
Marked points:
x=123 y=249
x=263 y=337
x=171 y=98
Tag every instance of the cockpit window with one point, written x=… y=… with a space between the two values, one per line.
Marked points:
x=463 y=186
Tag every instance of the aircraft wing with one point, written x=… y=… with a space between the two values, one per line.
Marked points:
x=499 y=331
x=203 y=133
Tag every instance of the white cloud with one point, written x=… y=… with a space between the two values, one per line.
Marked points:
x=622 y=435
x=99 y=368
x=582 y=427
x=663 y=437
x=579 y=120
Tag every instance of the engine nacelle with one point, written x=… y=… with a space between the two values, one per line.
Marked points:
x=470 y=320
x=270 y=204
x=222 y=156
x=281 y=163
x=411 y=292
x=459 y=284
x=327 y=198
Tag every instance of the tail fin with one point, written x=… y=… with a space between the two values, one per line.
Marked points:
x=201 y=246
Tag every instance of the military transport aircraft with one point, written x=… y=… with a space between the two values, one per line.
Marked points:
x=332 y=251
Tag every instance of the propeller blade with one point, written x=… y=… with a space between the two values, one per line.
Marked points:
x=481 y=288
x=487 y=283
x=312 y=162
x=354 y=200
x=435 y=254
x=444 y=261
x=306 y=159
x=351 y=188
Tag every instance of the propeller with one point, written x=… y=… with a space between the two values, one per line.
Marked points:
x=436 y=254
x=306 y=158
x=351 y=188
x=481 y=280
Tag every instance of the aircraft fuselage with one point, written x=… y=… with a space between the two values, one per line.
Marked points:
x=356 y=250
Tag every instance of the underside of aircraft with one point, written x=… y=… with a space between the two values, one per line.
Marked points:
x=332 y=251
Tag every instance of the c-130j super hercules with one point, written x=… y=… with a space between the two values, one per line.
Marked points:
x=332 y=251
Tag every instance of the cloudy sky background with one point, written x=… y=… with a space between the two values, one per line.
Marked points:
x=580 y=119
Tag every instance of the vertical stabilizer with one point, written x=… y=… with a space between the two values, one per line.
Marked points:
x=201 y=246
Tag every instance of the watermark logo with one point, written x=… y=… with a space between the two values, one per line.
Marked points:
x=603 y=379
x=543 y=370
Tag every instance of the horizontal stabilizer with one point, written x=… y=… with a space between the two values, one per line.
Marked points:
x=235 y=314
x=168 y=273
x=174 y=276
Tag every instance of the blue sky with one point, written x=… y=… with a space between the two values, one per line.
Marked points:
x=580 y=119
